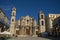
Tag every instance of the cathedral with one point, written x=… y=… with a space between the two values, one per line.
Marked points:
x=27 y=25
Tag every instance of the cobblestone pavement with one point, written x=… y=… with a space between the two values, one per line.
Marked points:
x=33 y=38
x=29 y=38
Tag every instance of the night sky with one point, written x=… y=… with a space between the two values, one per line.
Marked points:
x=30 y=7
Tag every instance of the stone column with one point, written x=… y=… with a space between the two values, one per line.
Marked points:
x=31 y=31
x=21 y=31
x=24 y=31
x=0 y=29
x=34 y=31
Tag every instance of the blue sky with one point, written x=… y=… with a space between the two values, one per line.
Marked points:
x=30 y=7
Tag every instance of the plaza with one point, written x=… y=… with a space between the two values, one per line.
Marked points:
x=34 y=38
x=29 y=20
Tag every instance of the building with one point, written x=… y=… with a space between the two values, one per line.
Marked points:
x=41 y=22
x=26 y=25
x=4 y=21
x=49 y=22
x=13 y=21
x=56 y=26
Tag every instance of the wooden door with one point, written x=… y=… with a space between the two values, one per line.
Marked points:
x=36 y=32
x=17 y=32
x=27 y=31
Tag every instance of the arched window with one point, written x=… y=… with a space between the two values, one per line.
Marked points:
x=12 y=20
x=41 y=16
x=13 y=14
x=42 y=22
x=0 y=11
x=27 y=21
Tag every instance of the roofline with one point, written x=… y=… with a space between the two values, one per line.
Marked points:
x=4 y=13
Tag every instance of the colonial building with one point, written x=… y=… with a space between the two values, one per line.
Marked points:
x=49 y=22
x=26 y=25
x=41 y=22
x=4 y=21
x=13 y=21
x=56 y=26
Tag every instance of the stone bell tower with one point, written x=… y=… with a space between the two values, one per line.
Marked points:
x=41 y=22
x=12 y=24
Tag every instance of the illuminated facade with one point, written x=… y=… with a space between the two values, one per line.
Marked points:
x=49 y=22
x=4 y=21
x=24 y=26
x=27 y=25
x=41 y=22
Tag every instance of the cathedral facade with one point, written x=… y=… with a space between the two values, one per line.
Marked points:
x=27 y=25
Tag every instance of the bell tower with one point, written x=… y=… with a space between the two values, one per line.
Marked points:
x=12 y=24
x=41 y=22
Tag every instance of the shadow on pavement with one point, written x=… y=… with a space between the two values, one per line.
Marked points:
x=4 y=38
x=51 y=37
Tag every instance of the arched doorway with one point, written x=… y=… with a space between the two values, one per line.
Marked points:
x=17 y=32
x=36 y=32
x=27 y=31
